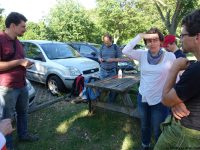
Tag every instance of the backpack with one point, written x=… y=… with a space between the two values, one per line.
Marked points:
x=88 y=92
x=77 y=86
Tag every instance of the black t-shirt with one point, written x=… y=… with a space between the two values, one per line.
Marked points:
x=188 y=90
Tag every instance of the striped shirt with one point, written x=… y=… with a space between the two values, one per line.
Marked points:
x=109 y=52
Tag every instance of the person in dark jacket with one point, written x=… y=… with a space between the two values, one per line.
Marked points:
x=170 y=45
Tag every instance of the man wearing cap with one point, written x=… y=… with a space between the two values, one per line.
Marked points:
x=170 y=45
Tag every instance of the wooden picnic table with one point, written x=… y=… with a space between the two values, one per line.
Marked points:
x=122 y=86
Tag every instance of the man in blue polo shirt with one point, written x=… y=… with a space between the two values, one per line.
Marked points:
x=109 y=56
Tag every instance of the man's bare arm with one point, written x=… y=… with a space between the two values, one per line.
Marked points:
x=7 y=65
x=170 y=97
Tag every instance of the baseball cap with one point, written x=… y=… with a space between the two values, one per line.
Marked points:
x=169 y=39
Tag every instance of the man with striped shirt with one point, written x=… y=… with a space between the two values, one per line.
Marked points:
x=109 y=56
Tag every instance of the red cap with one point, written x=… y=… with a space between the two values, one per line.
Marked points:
x=169 y=39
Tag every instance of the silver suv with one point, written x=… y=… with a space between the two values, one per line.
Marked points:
x=56 y=64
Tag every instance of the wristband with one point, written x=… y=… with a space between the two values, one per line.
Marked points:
x=177 y=103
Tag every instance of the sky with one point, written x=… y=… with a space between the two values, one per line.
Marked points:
x=34 y=10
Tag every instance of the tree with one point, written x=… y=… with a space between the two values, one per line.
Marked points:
x=2 y=19
x=36 y=31
x=68 y=21
x=172 y=11
x=125 y=18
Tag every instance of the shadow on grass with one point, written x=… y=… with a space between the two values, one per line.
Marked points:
x=67 y=126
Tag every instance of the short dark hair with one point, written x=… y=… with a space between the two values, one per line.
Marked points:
x=108 y=36
x=192 y=22
x=155 y=31
x=14 y=17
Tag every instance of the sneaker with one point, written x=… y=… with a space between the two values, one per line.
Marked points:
x=145 y=147
x=29 y=138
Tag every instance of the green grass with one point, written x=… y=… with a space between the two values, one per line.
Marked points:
x=66 y=126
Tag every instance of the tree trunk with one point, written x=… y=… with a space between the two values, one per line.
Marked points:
x=115 y=39
x=116 y=36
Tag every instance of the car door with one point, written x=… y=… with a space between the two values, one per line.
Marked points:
x=37 y=71
x=88 y=52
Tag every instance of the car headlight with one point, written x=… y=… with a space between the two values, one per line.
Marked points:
x=74 y=71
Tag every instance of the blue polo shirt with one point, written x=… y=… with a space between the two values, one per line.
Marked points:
x=112 y=51
x=179 y=53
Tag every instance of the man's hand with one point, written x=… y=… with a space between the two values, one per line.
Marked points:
x=6 y=126
x=101 y=60
x=148 y=36
x=179 y=111
x=111 y=60
x=26 y=63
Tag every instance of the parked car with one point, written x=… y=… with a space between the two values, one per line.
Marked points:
x=56 y=64
x=89 y=50
x=128 y=67
x=31 y=92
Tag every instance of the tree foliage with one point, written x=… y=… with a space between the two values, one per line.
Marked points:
x=126 y=18
x=116 y=17
x=36 y=31
x=68 y=21
x=171 y=16
x=2 y=20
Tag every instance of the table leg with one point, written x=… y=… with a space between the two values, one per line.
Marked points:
x=90 y=106
x=127 y=100
x=130 y=107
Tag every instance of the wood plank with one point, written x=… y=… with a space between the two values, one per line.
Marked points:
x=48 y=103
x=126 y=85
x=126 y=110
x=115 y=84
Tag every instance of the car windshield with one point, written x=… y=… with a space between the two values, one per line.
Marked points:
x=59 y=51
x=96 y=46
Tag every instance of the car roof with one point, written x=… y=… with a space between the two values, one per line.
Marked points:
x=82 y=43
x=40 y=41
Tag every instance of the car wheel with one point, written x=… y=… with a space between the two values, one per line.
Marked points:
x=55 y=85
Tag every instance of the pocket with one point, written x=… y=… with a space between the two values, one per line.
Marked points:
x=167 y=122
x=4 y=90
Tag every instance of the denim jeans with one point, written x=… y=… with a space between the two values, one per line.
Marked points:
x=177 y=137
x=14 y=100
x=105 y=74
x=151 y=117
